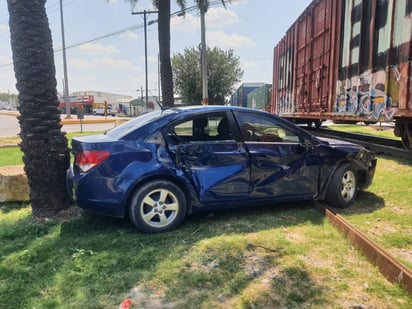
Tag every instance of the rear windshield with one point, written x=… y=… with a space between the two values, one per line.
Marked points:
x=133 y=124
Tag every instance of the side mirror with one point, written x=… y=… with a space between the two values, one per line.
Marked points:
x=306 y=143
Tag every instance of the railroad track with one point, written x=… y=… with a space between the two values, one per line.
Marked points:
x=379 y=145
x=390 y=268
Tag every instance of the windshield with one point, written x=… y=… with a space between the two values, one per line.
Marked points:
x=133 y=124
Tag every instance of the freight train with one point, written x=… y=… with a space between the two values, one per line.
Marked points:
x=348 y=61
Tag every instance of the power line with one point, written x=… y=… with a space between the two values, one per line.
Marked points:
x=51 y=9
x=91 y=40
x=132 y=28
x=101 y=37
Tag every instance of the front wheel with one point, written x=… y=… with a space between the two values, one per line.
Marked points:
x=343 y=187
x=158 y=206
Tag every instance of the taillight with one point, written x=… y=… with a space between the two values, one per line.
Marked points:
x=88 y=159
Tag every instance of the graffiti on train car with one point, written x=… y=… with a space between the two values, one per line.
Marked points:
x=353 y=66
x=365 y=96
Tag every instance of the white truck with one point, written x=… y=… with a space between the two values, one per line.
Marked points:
x=100 y=111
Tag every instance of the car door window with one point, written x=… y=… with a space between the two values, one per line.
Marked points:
x=205 y=150
x=280 y=164
x=258 y=128
x=211 y=127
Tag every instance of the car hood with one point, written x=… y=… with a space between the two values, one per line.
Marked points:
x=340 y=144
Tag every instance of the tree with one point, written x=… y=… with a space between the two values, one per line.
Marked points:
x=45 y=152
x=166 y=75
x=223 y=71
x=5 y=97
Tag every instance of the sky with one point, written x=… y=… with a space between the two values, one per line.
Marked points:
x=105 y=41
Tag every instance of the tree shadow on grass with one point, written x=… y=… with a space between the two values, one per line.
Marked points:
x=100 y=259
x=212 y=258
x=7 y=207
x=366 y=202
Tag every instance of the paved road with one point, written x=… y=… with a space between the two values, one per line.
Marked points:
x=9 y=126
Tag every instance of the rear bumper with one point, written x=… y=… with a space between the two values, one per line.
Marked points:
x=99 y=204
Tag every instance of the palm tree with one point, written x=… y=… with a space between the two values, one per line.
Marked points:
x=44 y=146
x=166 y=75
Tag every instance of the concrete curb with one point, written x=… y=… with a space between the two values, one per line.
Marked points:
x=13 y=184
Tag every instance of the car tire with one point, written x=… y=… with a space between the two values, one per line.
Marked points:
x=158 y=206
x=343 y=187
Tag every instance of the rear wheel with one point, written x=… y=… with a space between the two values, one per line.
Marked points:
x=158 y=206
x=318 y=123
x=343 y=187
x=407 y=137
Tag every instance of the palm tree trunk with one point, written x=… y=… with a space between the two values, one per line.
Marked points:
x=164 y=53
x=44 y=145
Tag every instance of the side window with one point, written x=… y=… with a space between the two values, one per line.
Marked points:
x=210 y=127
x=261 y=128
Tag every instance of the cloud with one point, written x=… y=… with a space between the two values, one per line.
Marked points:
x=248 y=64
x=220 y=17
x=129 y=35
x=5 y=60
x=216 y=18
x=187 y=23
x=150 y=59
x=104 y=63
x=223 y=40
x=97 y=49
x=3 y=27
x=239 y=2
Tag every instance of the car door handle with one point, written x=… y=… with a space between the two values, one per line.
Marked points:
x=261 y=159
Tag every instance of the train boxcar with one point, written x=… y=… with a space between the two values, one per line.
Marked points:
x=239 y=97
x=348 y=61
x=260 y=98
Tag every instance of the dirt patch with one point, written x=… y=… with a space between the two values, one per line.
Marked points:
x=149 y=297
x=65 y=215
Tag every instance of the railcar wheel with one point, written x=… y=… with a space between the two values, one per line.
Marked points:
x=343 y=187
x=158 y=206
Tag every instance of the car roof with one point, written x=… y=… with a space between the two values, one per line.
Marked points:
x=209 y=108
x=170 y=114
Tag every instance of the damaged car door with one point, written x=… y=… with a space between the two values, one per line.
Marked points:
x=207 y=152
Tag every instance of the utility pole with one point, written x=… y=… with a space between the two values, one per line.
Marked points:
x=66 y=83
x=158 y=78
x=144 y=13
x=203 y=10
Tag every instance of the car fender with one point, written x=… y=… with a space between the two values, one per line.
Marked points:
x=324 y=185
x=182 y=182
x=166 y=169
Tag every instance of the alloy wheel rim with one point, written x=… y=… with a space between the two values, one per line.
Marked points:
x=348 y=186
x=159 y=208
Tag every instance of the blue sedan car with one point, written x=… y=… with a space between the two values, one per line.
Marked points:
x=164 y=165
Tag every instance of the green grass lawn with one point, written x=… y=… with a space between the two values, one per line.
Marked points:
x=12 y=155
x=285 y=256
x=378 y=130
x=384 y=211
x=267 y=257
